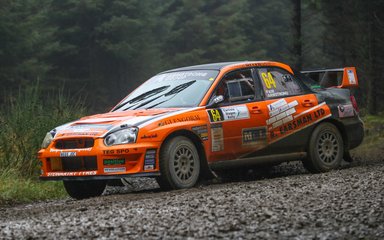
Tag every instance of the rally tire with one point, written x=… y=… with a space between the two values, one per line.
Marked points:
x=85 y=189
x=179 y=164
x=325 y=150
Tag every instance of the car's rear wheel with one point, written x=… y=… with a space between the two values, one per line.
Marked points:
x=325 y=150
x=85 y=189
x=179 y=164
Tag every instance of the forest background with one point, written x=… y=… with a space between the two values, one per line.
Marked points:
x=63 y=59
x=103 y=49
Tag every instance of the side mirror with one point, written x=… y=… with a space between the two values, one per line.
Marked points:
x=215 y=101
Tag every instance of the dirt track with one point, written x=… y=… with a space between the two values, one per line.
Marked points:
x=284 y=203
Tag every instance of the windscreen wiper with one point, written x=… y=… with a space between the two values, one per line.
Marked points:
x=179 y=88
x=173 y=92
x=143 y=96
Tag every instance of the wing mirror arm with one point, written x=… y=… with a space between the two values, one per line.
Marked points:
x=215 y=101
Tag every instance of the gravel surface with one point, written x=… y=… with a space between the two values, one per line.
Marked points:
x=286 y=202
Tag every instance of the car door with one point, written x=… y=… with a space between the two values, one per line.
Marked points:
x=237 y=125
x=290 y=107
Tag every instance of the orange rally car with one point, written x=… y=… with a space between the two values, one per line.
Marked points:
x=188 y=122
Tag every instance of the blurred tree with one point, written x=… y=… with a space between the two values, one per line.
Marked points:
x=188 y=35
x=105 y=46
x=296 y=32
x=355 y=40
x=269 y=30
x=26 y=40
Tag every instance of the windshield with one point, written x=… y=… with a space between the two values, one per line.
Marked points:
x=170 y=90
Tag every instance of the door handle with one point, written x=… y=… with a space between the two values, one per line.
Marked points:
x=256 y=110
x=308 y=103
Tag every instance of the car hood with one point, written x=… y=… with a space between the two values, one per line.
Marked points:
x=99 y=124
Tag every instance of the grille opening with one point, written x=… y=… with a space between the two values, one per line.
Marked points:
x=74 y=143
x=71 y=164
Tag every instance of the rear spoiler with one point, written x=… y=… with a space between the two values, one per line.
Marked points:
x=339 y=77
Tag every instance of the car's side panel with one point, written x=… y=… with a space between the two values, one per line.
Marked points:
x=271 y=123
x=233 y=131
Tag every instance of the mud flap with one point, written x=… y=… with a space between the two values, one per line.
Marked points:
x=347 y=156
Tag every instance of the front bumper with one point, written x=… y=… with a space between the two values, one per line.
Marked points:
x=99 y=161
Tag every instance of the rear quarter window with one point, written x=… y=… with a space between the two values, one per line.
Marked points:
x=278 y=83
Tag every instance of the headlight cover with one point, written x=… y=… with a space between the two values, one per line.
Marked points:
x=48 y=139
x=123 y=136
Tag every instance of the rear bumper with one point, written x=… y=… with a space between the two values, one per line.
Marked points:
x=354 y=129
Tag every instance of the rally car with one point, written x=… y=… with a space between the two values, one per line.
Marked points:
x=185 y=123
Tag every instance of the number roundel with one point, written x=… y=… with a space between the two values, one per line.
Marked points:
x=268 y=80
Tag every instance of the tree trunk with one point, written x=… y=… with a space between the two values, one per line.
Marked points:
x=372 y=91
x=296 y=19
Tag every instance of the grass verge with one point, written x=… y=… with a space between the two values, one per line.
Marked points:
x=25 y=118
x=15 y=189
x=372 y=147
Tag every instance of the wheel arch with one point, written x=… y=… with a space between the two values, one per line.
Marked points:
x=341 y=129
x=205 y=170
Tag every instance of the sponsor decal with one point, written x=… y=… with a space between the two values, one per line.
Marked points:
x=351 y=77
x=201 y=131
x=85 y=127
x=228 y=113
x=217 y=136
x=254 y=137
x=346 y=111
x=257 y=64
x=77 y=150
x=75 y=133
x=119 y=161
x=180 y=75
x=70 y=174
x=275 y=105
x=145 y=136
x=116 y=151
x=68 y=154
x=113 y=170
x=180 y=119
x=281 y=112
x=271 y=93
x=156 y=118
x=288 y=125
x=150 y=159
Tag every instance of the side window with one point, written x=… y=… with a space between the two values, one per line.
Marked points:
x=236 y=86
x=278 y=83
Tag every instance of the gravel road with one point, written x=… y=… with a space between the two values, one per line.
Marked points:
x=284 y=203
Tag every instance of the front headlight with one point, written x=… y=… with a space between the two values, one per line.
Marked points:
x=127 y=135
x=48 y=139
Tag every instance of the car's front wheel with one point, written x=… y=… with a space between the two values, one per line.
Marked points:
x=325 y=150
x=85 y=189
x=179 y=164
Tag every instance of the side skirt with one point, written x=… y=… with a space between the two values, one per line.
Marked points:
x=261 y=160
x=100 y=177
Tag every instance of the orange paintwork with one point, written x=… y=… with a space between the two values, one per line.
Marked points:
x=349 y=78
x=222 y=140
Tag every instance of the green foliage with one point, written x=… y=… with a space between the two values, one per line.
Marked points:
x=372 y=146
x=15 y=189
x=107 y=48
x=26 y=40
x=25 y=119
